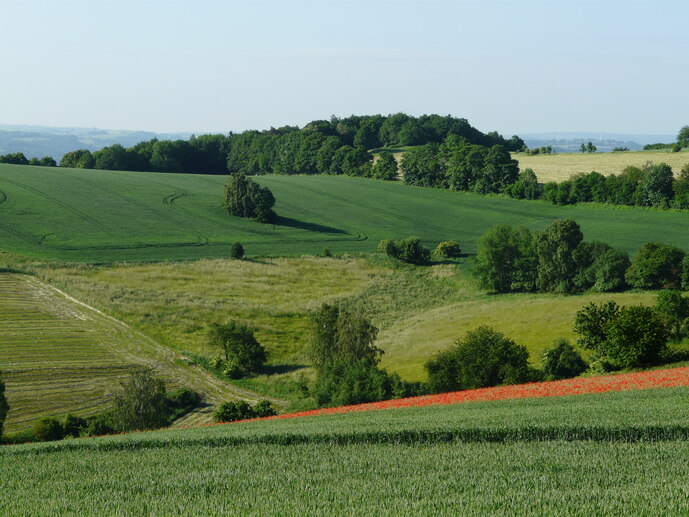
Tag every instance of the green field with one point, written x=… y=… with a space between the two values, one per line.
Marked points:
x=105 y=216
x=610 y=454
x=560 y=167
x=58 y=355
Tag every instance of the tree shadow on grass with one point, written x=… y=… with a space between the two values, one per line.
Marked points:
x=303 y=225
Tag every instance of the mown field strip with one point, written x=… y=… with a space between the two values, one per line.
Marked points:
x=58 y=355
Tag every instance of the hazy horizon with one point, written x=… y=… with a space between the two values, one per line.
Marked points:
x=526 y=67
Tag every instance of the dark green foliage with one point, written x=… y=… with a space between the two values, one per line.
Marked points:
x=264 y=408
x=181 y=401
x=563 y=362
x=448 y=249
x=505 y=259
x=413 y=252
x=141 y=403
x=242 y=410
x=407 y=250
x=657 y=185
x=591 y=323
x=385 y=167
x=600 y=267
x=14 y=159
x=46 y=161
x=243 y=354
x=79 y=159
x=656 y=266
x=233 y=411
x=636 y=337
x=4 y=406
x=675 y=308
x=237 y=251
x=683 y=136
x=526 y=187
x=484 y=357
x=684 y=274
x=554 y=248
x=246 y=198
x=99 y=425
x=345 y=383
x=48 y=430
x=74 y=425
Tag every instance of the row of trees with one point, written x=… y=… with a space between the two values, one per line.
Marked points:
x=20 y=159
x=459 y=164
x=513 y=258
x=653 y=185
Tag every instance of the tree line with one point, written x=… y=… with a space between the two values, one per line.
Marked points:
x=513 y=258
x=651 y=185
x=335 y=146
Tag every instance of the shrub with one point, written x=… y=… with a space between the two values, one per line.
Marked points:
x=48 y=430
x=563 y=362
x=411 y=251
x=675 y=308
x=264 y=408
x=388 y=247
x=484 y=357
x=74 y=425
x=246 y=198
x=656 y=266
x=99 y=425
x=591 y=323
x=237 y=251
x=181 y=401
x=233 y=411
x=636 y=337
x=448 y=249
x=243 y=353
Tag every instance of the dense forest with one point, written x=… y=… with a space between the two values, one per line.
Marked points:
x=335 y=146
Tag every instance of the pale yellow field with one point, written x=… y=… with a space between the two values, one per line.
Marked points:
x=532 y=320
x=560 y=167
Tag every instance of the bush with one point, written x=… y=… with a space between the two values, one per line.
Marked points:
x=264 y=408
x=411 y=251
x=99 y=425
x=483 y=358
x=675 y=309
x=237 y=251
x=563 y=362
x=243 y=353
x=74 y=425
x=388 y=247
x=233 y=411
x=636 y=337
x=48 y=430
x=448 y=249
x=656 y=266
x=181 y=401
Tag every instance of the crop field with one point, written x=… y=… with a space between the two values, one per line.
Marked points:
x=559 y=167
x=58 y=356
x=106 y=216
x=607 y=454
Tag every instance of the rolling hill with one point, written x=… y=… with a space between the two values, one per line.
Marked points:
x=105 y=216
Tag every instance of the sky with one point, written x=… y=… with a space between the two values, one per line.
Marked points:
x=201 y=66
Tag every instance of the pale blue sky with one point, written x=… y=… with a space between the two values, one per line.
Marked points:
x=513 y=66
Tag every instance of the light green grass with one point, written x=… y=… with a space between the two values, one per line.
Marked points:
x=106 y=216
x=59 y=356
x=560 y=167
x=415 y=461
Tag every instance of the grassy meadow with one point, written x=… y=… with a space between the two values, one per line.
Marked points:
x=58 y=356
x=440 y=460
x=560 y=167
x=108 y=216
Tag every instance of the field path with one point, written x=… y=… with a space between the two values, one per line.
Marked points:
x=58 y=354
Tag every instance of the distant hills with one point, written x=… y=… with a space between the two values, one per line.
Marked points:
x=569 y=141
x=39 y=141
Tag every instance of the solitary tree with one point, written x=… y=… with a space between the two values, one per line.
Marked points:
x=141 y=403
x=242 y=352
x=246 y=198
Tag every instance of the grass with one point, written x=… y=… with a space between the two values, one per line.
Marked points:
x=60 y=356
x=442 y=460
x=559 y=167
x=108 y=216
